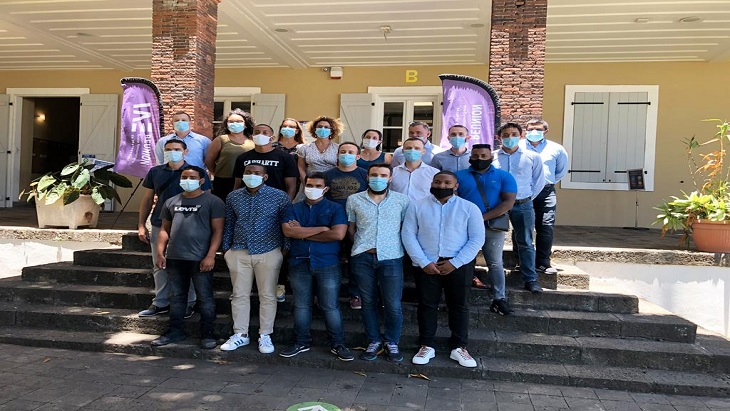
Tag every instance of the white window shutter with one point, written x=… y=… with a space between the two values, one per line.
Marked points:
x=626 y=135
x=98 y=126
x=5 y=200
x=269 y=109
x=357 y=113
x=590 y=119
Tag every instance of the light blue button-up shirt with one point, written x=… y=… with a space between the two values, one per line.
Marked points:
x=415 y=184
x=197 y=148
x=527 y=169
x=432 y=230
x=553 y=156
x=400 y=158
x=378 y=225
x=447 y=160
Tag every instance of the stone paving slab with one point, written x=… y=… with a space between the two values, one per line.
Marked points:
x=106 y=381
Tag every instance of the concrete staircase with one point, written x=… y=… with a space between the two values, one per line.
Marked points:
x=566 y=337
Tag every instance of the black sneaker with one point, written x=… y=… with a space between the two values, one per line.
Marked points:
x=153 y=311
x=208 y=343
x=342 y=353
x=546 y=269
x=501 y=307
x=392 y=353
x=371 y=353
x=167 y=339
x=533 y=287
x=294 y=350
x=189 y=312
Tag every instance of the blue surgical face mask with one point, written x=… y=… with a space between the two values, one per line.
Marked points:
x=174 y=156
x=182 y=126
x=288 y=132
x=510 y=142
x=323 y=132
x=190 y=185
x=252 y=180
x=412 y=155
x=535 y=135
x=377 y=184
x=457 y=142
x=235 y=127
x=346 y=159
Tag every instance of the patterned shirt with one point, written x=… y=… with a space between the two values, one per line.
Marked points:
x=253 y=220
x=378 y=225
x=317 y=161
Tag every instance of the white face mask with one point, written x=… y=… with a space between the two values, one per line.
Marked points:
x=261 y=140
x=370 y=143
x=313 y=193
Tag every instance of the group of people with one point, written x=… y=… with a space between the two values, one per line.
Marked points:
x=315 y=212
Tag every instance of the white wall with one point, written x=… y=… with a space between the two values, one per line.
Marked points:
x=16 y=254
x=699 y=294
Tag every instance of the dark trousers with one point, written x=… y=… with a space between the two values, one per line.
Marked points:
x=222 y=186
x=545 y=205
x=456 y=286
x=180 y=273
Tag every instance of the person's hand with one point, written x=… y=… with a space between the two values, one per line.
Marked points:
x=445 y=267
x=207 y=264
x=143 y=234
x=161 y=262
x=294 y=223
x=431 y=269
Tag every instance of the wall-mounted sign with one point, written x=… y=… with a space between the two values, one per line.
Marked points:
x=411 y=76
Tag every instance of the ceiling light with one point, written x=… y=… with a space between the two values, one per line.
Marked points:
x=690 y=19
x=281 y=30
x=386 y=30
x=477 y=25
x=641 y=20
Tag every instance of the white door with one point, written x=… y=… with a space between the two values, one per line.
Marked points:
x=269 y=109
x=357 y=113
x=98 y=126
x=5 y=200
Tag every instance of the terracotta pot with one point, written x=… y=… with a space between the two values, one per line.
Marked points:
x=711 y=236
x=82 y=212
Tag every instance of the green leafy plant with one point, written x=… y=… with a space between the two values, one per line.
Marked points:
x=75 y=180
x=710 y=175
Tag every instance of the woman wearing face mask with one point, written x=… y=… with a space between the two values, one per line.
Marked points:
x=372 y=149
x=234 y=139
x=321 y=154
x=290 y=137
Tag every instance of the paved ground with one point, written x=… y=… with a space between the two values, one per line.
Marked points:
x=51 y=379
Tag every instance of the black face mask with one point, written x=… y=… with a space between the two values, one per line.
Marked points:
x=480 y=165
x=441 y=193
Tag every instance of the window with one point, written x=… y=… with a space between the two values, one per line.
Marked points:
x=223 y=105
x=399 y=106
x=608 y=130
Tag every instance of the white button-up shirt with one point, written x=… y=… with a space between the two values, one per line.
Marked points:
x=553 y=156
x=527 y=169
x=415 y=184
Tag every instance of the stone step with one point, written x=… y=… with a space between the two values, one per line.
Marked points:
x=504 y=369
x=550 y=322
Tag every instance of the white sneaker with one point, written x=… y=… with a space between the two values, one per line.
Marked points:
x=424 y=355
x=462 y=356
x=236 y=340
x=265 y=344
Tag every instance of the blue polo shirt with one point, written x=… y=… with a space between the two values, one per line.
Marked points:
x=494 y=182
x=158 y=177
x=318 y=254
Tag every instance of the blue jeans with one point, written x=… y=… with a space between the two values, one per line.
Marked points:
x=386 y=277
x=301 y=278
x=545 y=205
x=181 y=272
x=492 y=251
x=522 y=217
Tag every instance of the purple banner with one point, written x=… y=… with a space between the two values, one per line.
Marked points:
x=472 y=103
x=141 y=120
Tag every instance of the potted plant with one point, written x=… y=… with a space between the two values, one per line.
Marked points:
x=705 y=212
x=73 y=196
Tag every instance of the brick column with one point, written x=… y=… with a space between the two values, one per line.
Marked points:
x=183 y=58
x=517 y=57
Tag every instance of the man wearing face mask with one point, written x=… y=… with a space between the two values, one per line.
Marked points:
x=413 y=178
x=457 y=158
x=162 y=181
x=527 y=169
x=421 y=131
x=316 y=227
x=252 y=242
x=494 y=192
x=197 y=144
x=193 y=223
x=281 y=167
x=555 y=159
x=375 y=218
x=443 y=234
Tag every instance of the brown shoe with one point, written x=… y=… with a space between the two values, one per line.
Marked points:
x=477 y=283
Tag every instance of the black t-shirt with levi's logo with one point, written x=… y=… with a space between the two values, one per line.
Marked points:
x=191 y=224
